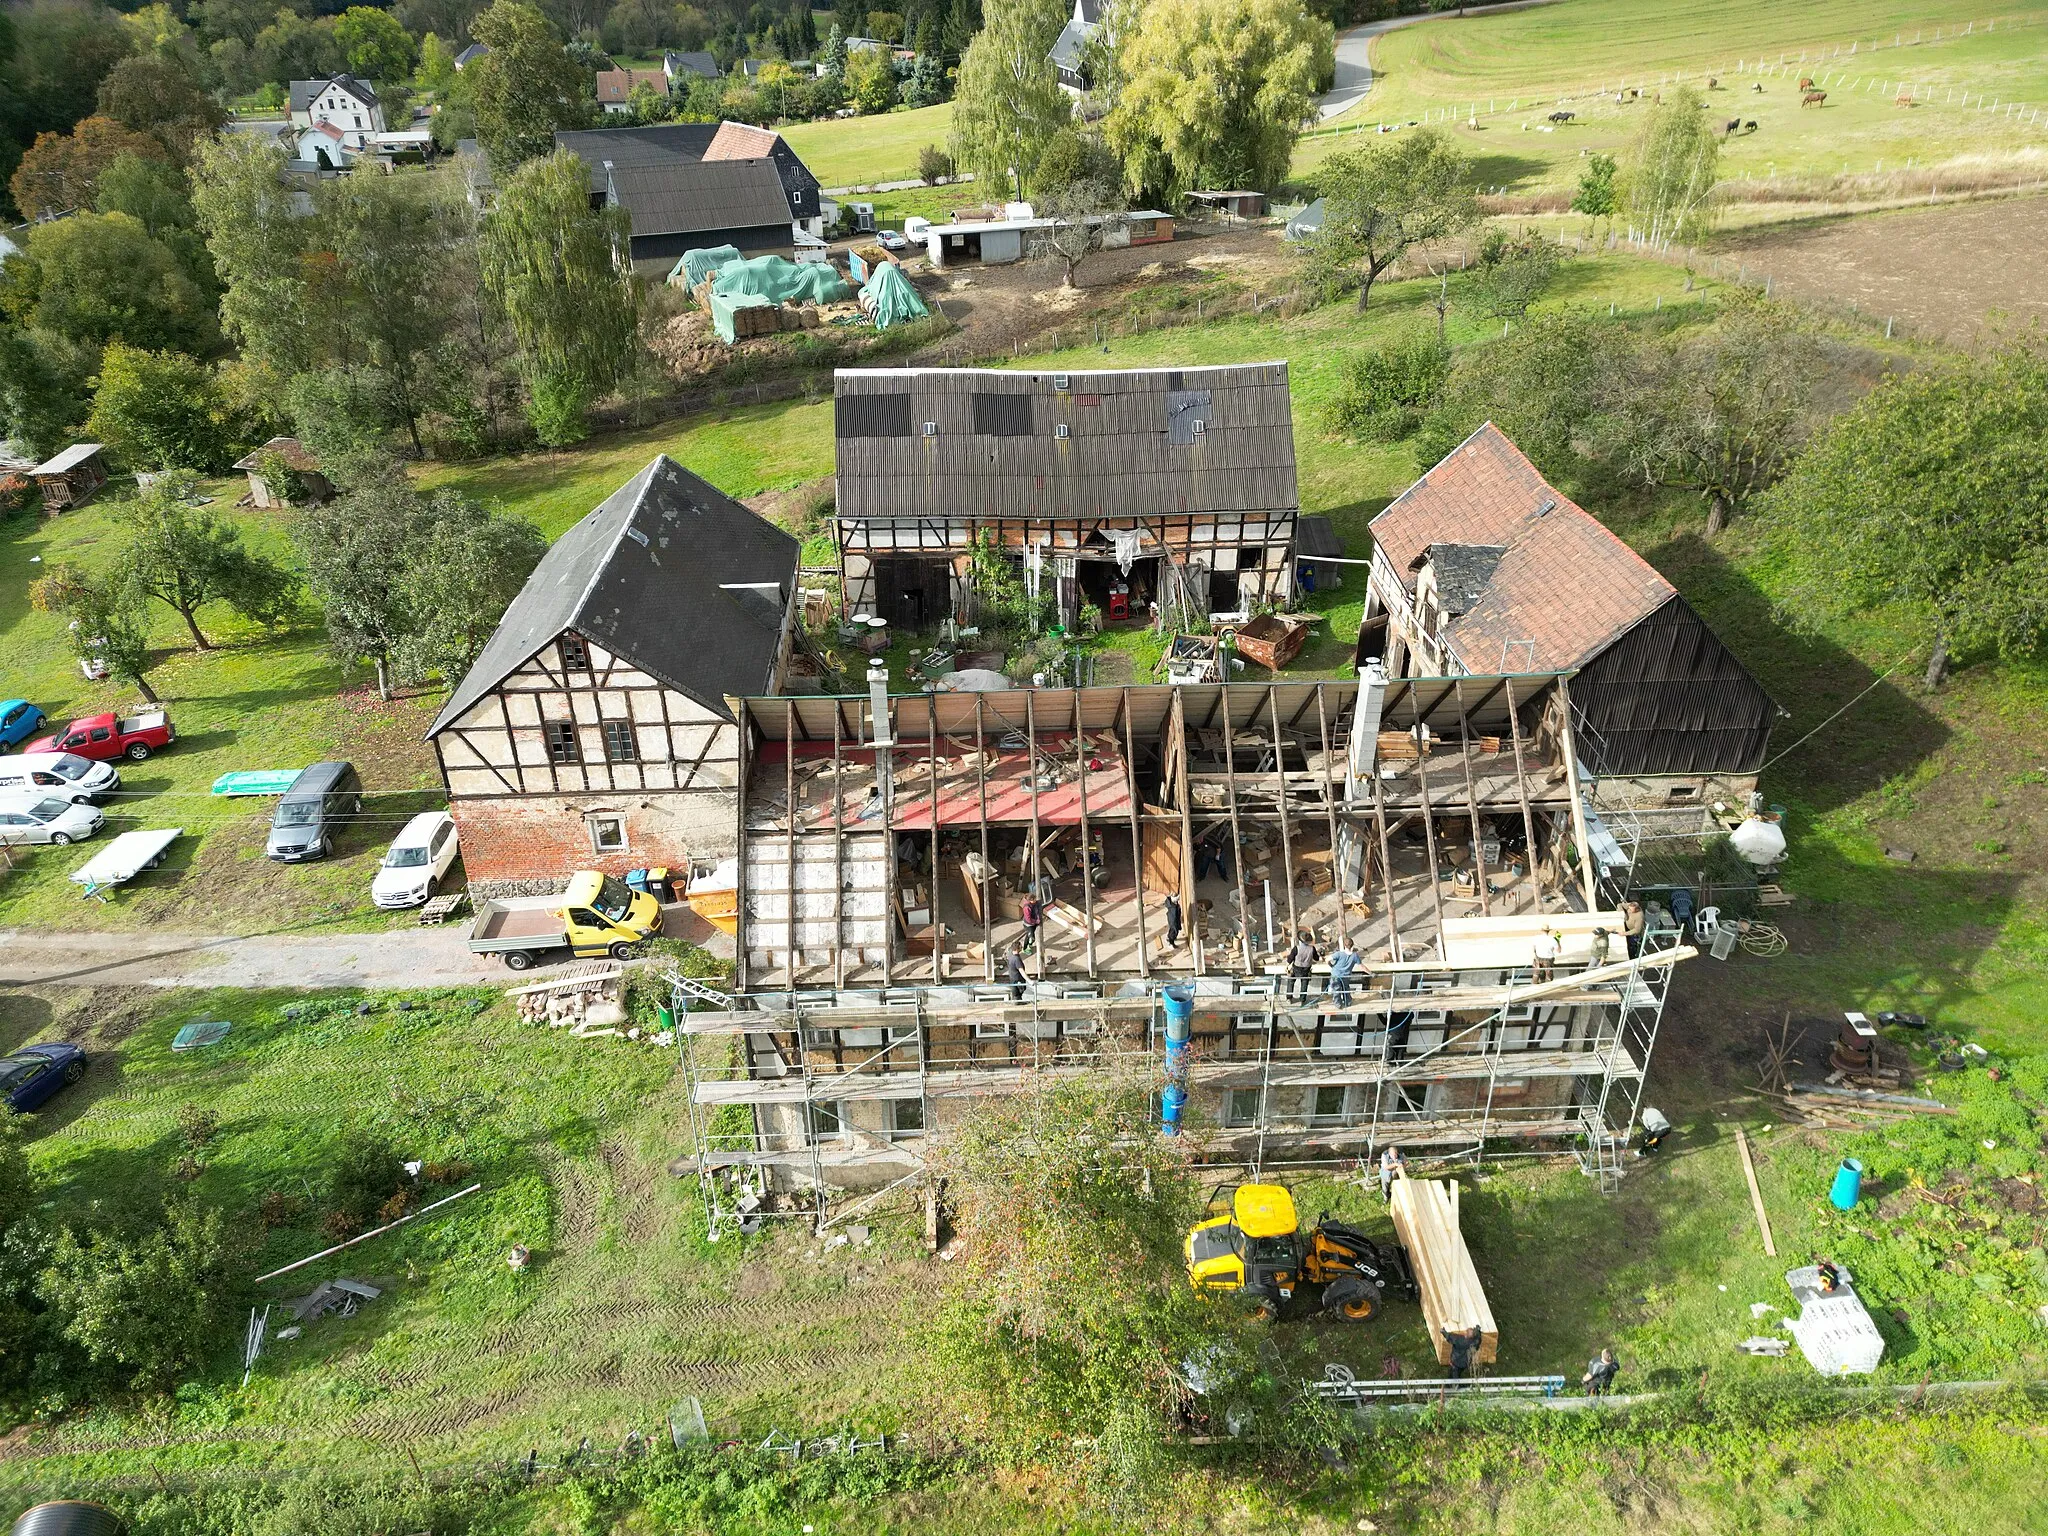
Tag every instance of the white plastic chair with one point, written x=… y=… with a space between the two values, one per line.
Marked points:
x=1706 y=924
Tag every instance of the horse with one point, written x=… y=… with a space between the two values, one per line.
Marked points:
x=1733 y=124
x=1805 y=83
x=1813 y=99
x=1562 y=117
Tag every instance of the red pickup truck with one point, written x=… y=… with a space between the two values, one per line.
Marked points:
x=107 y=736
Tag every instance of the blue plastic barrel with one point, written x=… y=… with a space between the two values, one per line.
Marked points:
x=1180 y=1010
x=1171 y=1102
x=1848 y=1186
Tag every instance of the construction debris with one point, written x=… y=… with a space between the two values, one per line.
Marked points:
x=1425 y=1213
x=343 y=1296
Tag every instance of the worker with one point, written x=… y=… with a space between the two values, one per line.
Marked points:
x=1602 y=946
x=1392 y=1166
x=1547 y=946
x=1343 y=961
x=1632 y=926
x=1016 y=973
x=1172 y=920
x=1033 y=914
x=1599 y=1378
x=1464 y=1344
x=1301 y=965
x=1655 y=1129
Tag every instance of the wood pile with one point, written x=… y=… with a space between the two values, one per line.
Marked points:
x=1425 y=1213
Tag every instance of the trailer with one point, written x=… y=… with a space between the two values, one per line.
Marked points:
x=123 y=859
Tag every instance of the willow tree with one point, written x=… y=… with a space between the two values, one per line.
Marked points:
x=560 y=270
x=1009 y=103
x=1215 y=92
x=1672 y=168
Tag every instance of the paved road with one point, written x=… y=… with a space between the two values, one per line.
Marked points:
x=1353 y=77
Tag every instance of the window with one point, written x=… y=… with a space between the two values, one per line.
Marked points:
x=826 y=1121
x=1241 y=1107
x=1328 y=1106
x=575 y=653
x=619 y=746
x=1684 y=791
x=561 y=739
x=906 y=1117
x=607 y=834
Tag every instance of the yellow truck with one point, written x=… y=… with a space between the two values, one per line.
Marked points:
x=597 y=914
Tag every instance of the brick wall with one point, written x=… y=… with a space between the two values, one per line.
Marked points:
x=524 y=845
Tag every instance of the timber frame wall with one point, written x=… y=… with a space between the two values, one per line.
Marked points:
x=851 y=1063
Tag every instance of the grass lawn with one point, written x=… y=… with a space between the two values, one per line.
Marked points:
x=860 y=151
x=1512 y=68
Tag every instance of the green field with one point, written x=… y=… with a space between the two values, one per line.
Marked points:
x=1512 y=70
x=857 y=151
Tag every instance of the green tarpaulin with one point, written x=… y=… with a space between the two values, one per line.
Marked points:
x=723 y=306
x=782 y=282
x=700 y=264
x=889 y=299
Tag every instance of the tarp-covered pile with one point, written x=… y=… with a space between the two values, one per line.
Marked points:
x=781 y=282
x=734 y=315
x=889 y=299
x=699 y=264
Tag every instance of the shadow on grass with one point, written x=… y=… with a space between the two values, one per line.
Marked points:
x=1500 y=168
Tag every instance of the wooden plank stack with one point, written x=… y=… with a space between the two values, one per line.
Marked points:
x=1425 y=1213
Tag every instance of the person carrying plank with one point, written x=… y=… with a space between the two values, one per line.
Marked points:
x=1464 y=1344
x=1599 y=1378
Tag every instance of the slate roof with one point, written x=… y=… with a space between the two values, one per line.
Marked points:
x=303 y=91
x=688 y=197
x=691 y=64
x=648 y=576
x=470 y=55
x=1144 y=441
x=743 y=141
x=1562 y=580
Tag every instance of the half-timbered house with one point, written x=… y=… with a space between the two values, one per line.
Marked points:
x=1175 y=485
x=594 y=731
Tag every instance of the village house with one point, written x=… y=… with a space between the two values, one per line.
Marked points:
x=1121 y=489
x=686 y=66
x=615 y=87
x=342 y=101
x=1482 y=566
x=1069 y=49
x=595 y=730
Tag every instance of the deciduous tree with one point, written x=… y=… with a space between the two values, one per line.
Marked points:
x=61 y=172
x=1672 y=169
x=1511 y=274
x=186 y=557
x=160 y=410
x=1596 y=196
x=870 y=81
x=1008 y=102
x=95 y=278
x=258 y=240
x=468 y=567
x=1931 y=494
x=1382 y=201
x=158 y=95
x=525 y=88
x=357 y=550
x=375 y=45
x=1215 y=92
x=1085 y=213
x=107 y=619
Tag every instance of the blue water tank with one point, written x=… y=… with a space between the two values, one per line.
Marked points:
x=1848 y=1187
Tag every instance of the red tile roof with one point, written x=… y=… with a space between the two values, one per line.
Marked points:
x=616 y=85
x=741 y=141
x=1565 y=582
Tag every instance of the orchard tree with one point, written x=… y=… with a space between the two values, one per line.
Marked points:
x=1086 y=215
x=186 y=557
x=1511 y=274
x=62 y=171
x=1008 y=103
x=557 y=267
x=107 y=618
x=375 y=45
x=1672 y=168
x=525 y=88
x=160 y=410
x=1382 y=201
x=1543 y=384
x=1215 y=92
x=1931 y=494
x=1596 y=196
x=357 y=550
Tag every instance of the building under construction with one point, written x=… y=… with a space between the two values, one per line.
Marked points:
x=1173 y=837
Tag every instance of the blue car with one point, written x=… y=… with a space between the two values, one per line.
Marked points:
x=32 y=1074
x=19 y=720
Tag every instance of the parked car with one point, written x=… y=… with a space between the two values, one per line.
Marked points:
x=889 y=240
x=32 y=1074
x=321 y=798
x=109 y=735
x=41 y=818
x=416 y=860
x=64 y=774
x=18 y=722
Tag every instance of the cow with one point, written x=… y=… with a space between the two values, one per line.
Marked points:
x=1562 y=117
x=1814 y=99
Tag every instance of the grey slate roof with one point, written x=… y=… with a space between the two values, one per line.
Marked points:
x=687 y=143
x=470 y=55
x=696 y=196
x=303 y=91
x=1133 y=444
x=647 y=577
x=690 y=64
x=1462 y=573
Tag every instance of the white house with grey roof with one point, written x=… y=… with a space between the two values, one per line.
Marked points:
x=593 y=731
x=1069 y=50
x=342 y=102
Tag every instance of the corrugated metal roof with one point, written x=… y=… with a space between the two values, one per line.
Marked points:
x=655 y=575
x=1564 y=588
x=70 y=458
x=1146 y=441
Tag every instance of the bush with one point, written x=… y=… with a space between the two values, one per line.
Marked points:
x=1386 y=391
x=197 y=1126
x=1512 y=274
x=17 y=494
x=362 y=1179
x=934 y=165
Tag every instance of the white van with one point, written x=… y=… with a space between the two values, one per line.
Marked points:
x=39 y=818
x=64 y=774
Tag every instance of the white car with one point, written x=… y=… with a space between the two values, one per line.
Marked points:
x=63 y=774
x=416 y=860
x=41 y=818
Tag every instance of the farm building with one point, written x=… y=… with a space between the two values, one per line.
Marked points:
x=997 y=241
x=594 y=731
x=1429 y=830
x=1482 y=566
x=71 y=477
x=1175 y=485
x=313 y=485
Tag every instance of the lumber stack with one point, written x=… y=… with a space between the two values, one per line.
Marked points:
x=1425 y=1215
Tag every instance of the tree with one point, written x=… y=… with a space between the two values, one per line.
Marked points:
x=160 y=410
x=1215 y=92
x=1720 y=409
x=42 y=388
x=436 y=68
x=258 y=241
x=1382 y=201
x=1672 y=168
x=149 y=1307
x=1596 y=197
x=646 y=104
x=95 y=278
x=1085 y=215
x=927 y=87
x=1931 y=495
x=62 y=171
x=525 y=88
x=871 y=81
x=106 y=617
x=1386 y=390
x=1543 y=385
x=833 y=60
x=295 y=48
x=186 y=557
x=467 y=569
x=158 y=96
x=1072 y=157
x=886 y=26
x=934 y=165
x=1512 y=274
x=375 y=45
x=557 y=266
x=1008 y=100
x=357 y=550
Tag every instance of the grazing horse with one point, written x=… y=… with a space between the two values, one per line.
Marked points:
x=1805 y=83
x=1750 y=126
x=1733 y=124
x=1903 y=101
x=1562 y=117
x=1758 y=87
x=1813 y=99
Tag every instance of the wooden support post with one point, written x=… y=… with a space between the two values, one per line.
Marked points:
x=1035 y=852
x=1280 y=787
x=1379 y=818
x=1087 y=875
x=1479 y=872
x=1522 y=793
x=1178 y=724
x=1436 y=894
x=789 y=817
x=1244 y=908
x=838 y=852
x=1571 y=776
x=931 y=757
x=1123 y=710
x=885 y=727
x=1330 y=814
x=988 y=925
